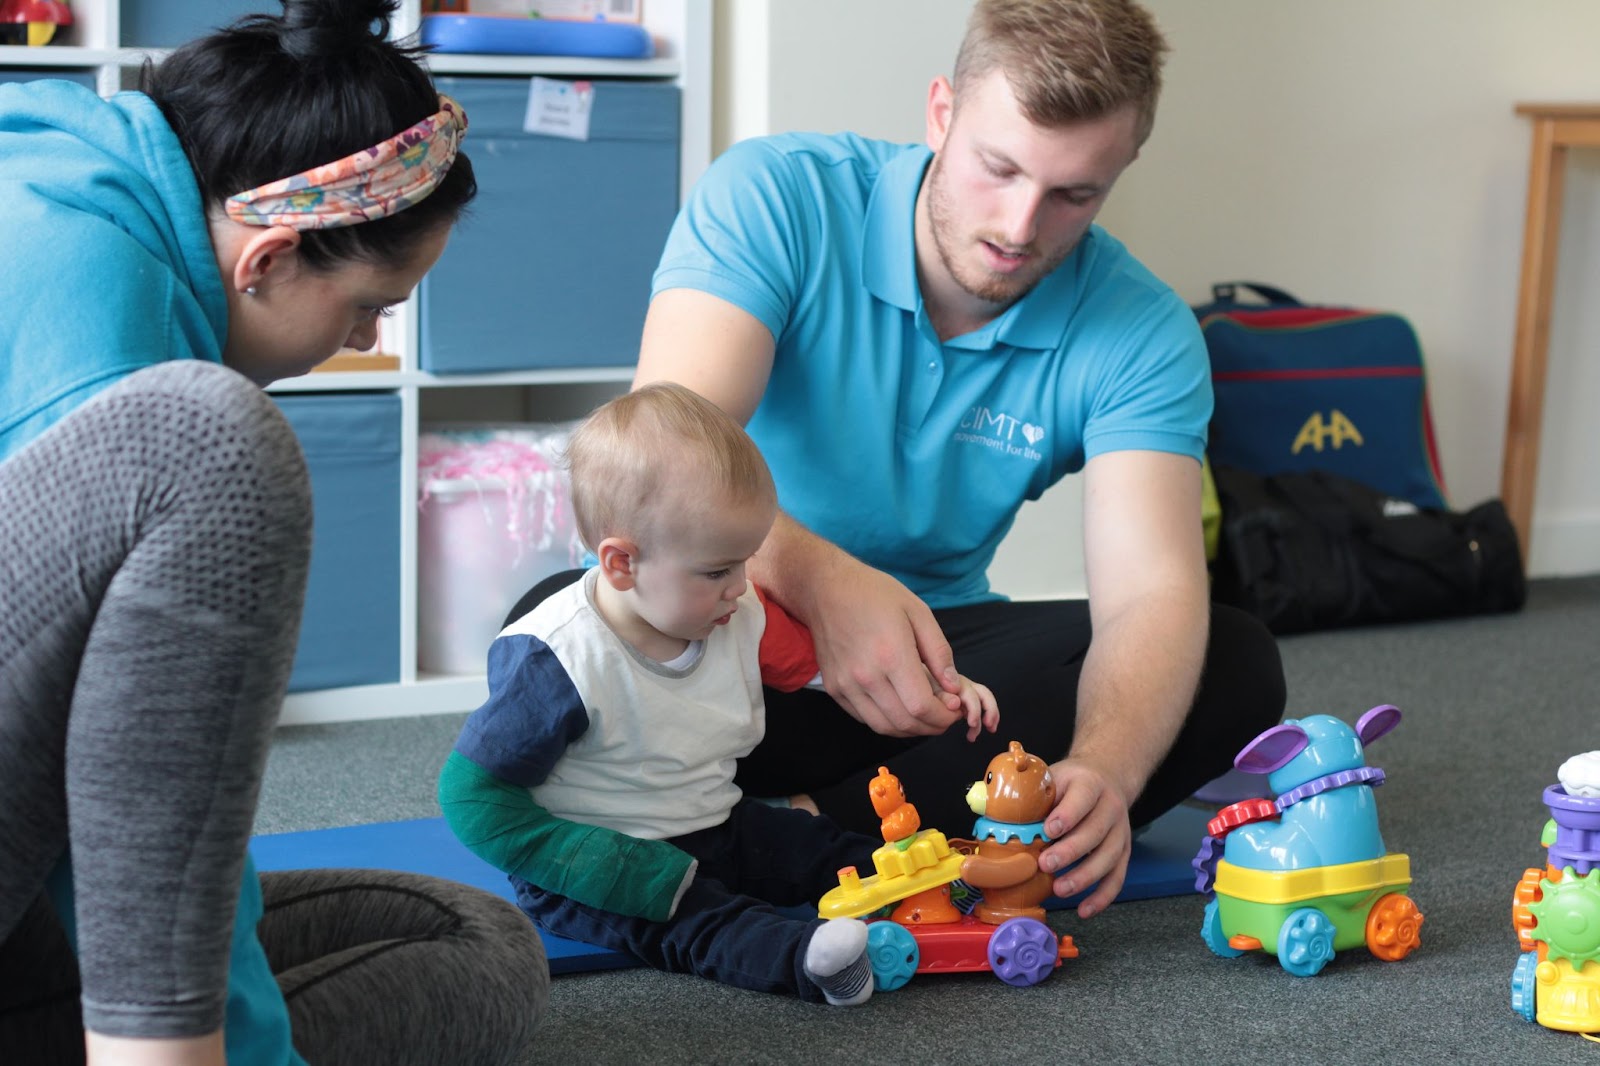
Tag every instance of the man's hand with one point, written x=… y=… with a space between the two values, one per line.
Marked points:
x=1089 y=826
x=878 y=644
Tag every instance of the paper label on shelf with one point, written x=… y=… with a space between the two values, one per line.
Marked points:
x=611 y=10
x=559 y=108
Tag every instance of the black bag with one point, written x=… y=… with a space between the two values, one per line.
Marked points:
x=1313 y=550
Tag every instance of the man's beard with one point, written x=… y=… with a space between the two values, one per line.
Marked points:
x=998 y=289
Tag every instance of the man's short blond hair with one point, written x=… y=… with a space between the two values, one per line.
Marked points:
x=1067 y=60
x=661 y=444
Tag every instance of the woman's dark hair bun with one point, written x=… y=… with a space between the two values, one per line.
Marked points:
x=315 y=29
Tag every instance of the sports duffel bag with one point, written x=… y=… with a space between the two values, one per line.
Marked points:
x=1304 y=387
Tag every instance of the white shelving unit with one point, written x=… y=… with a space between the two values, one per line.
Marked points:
x=682 y=29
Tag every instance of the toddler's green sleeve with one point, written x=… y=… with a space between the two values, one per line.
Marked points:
x=500 y=823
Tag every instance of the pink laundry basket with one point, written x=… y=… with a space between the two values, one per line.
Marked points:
x=495 y=517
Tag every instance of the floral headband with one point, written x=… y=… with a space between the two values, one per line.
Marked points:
x=382 y=180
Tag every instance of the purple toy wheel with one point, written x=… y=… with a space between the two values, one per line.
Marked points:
x=1022 y=951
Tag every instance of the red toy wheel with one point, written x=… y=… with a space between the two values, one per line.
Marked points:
x=1244 y=812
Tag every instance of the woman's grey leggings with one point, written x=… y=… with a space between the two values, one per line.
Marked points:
x=153 y=554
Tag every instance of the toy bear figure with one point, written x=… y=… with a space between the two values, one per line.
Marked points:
x=900 y=818
x=1011 y=801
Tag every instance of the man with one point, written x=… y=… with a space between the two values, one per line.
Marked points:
x=921 y=341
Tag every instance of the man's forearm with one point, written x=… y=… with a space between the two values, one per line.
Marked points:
x=1138 y=683
x=791 y=566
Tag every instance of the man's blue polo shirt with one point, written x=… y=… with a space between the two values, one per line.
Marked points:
x=913 y=455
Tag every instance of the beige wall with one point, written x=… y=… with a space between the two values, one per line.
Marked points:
x=1360 y=152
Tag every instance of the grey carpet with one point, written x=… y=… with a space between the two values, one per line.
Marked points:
x=1492 y=706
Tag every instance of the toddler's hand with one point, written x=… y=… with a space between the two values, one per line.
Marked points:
x=982 y=712
x=974 y=700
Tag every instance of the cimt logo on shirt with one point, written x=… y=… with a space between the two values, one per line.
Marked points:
x=1002 y=432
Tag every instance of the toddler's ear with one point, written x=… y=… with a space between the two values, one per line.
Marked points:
x=618 y=560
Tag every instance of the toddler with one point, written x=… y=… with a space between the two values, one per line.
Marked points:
x=599 y=774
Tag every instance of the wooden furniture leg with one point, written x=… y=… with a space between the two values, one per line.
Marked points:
x=1556 y=127
x=1540 y=244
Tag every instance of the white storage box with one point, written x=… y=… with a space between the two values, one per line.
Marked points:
x=495 y=518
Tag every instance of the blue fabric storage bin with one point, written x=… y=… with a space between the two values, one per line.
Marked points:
x=169 y=23
x=552 y=265
x=350 y=633
x=82 y=77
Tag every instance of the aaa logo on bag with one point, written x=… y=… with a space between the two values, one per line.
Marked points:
x=1316 y=433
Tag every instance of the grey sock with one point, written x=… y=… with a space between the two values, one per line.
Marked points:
x=837 y=963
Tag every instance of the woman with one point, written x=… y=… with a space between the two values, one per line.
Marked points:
x=272 y=192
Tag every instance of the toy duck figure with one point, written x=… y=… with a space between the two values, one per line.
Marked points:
x=1011 y=802
x=900 y=824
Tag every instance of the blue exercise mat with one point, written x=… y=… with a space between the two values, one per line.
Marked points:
x=1159 y=866
x=423 y=846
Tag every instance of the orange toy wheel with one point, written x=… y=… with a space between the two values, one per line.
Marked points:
x=1244 y=812
x=1394 y=927
x=1522 y=919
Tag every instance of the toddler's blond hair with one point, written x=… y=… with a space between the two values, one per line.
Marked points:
x=660 y=445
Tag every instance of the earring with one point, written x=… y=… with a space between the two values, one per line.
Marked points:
x=250 y=291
